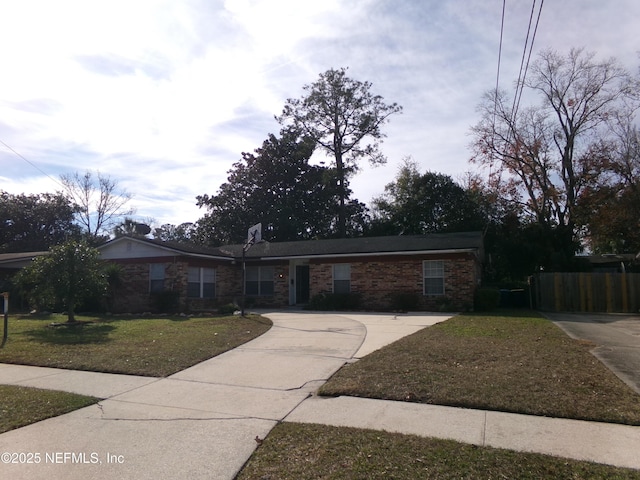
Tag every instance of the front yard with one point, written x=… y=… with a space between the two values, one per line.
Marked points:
x=153 y=346
x=137 y=346
x=511 y=361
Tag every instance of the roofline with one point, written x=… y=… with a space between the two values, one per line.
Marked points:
x=377 y=254
x=204 y=255
x=166 y=248
x=21 y=256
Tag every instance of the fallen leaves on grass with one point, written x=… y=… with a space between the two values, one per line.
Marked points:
x=519 y=363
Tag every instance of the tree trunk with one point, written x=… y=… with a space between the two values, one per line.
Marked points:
x=342 y=216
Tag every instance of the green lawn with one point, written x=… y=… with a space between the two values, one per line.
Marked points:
x=305 y=451
x=150 y=346
x=20 y=406
x=515 y=362
x=138 y=346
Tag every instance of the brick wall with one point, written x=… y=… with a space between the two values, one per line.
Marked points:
x=378 y=279
x=133 y=295
x=280 y=295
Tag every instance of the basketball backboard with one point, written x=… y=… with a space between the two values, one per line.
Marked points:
x=254 y=234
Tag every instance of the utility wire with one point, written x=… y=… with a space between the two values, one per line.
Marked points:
x=495 y=102
x=30 y=163
x=524 y=67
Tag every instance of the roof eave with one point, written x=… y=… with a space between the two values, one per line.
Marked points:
x=169 y=249
x=368 y=254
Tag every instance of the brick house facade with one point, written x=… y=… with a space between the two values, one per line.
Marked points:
x=437 y=270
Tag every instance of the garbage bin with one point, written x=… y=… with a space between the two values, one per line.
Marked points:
x=518 y=298
x=505 y=298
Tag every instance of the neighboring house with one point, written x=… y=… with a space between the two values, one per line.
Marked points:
x=612 y=263
x=10 y=263
x=435 y=269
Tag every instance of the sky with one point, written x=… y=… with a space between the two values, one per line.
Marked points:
x=163 y=96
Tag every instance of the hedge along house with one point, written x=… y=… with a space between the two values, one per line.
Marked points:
x=433 y=271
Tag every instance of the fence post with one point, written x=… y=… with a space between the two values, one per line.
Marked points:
x=625 y=293
x=608 y=292
x=557 y=291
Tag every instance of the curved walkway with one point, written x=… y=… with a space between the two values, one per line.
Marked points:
x=202 y=422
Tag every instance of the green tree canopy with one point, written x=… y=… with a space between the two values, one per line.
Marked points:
x=35 y=222
x=277 y=186
x=70 y=274
x=131 y=228
x=185 y=232
x=609 y=211
x=344 y=118
x=417 y=203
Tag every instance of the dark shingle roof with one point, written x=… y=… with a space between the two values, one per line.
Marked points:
x=335 y=247
x=363 y=245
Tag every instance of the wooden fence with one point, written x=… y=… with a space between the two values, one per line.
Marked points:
x=587 y=292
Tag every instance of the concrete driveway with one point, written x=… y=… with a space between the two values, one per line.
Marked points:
x=201 y=422
x=617 y=338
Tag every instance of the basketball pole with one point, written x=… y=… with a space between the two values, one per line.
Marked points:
x=254 y=235
x=5 y=295
x=244 y=280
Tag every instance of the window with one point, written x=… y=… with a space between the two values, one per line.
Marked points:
x=342 y=278
x=156 y=277
x=201 y=282
x=433 y=277
x=259 y=280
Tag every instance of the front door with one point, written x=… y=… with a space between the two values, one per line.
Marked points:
x=302 y=283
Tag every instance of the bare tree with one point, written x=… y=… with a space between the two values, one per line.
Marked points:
x=544 y=156
x=100 y=203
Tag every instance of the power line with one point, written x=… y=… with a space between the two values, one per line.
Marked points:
x=495 y=101
x=525 y=67
x=30 y=163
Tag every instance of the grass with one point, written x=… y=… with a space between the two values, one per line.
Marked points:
x=297 y=452
x=138 y=346
x=20 y=406
x=514 y=362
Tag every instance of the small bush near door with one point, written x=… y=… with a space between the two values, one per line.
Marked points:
x=404 y=302
x=166 y=302
x=335 y=301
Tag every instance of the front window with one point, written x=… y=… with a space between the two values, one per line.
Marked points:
x=342 y=278
x=156 y=277
x=259 y=281
x=434 y=277
x=201 y=282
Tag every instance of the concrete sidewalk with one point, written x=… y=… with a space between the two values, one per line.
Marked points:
x=605 y=443
x=202 y=422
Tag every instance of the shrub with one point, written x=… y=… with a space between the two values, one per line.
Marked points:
x=228 y=309
x=404 y=302
x=166 y=302
x=445 y=304
x=335 y=301
x=486 y=299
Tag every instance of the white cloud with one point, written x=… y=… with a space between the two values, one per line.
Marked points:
x=164 y=96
